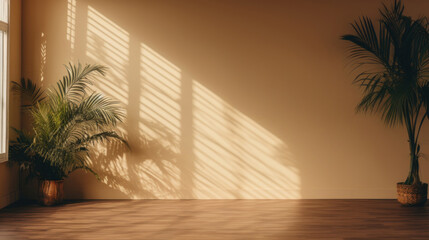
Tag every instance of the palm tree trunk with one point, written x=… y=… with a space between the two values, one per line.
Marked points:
x=413 y=176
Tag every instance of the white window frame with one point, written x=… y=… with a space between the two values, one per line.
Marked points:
x=4 y=82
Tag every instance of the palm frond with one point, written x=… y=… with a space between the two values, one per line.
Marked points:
x=96 y=138
x=31 y=94
x=100 y=108
x=74 y=86
x=67 y=124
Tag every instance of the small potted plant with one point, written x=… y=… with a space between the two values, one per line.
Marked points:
x=393 y=61
x=67 y=120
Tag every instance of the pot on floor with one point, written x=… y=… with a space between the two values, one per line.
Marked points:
x=51 y=192
x=412 y=195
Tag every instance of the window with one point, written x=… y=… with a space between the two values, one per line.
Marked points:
x=4 y=77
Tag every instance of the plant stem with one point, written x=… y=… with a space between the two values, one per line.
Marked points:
x=413 y=176
x=420 y=126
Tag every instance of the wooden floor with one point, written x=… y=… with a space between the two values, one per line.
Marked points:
x=216 y=219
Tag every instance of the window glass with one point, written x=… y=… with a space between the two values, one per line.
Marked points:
x=3 y=99
x=4 y=28
x=4 y=11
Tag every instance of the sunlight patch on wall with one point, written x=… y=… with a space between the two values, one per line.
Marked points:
x=159 y=117
x=160 y=95
x=235 y=157
x=43 y=56
x=108 y=44
x=71 y=23
x=149 y=93
x=227 y=154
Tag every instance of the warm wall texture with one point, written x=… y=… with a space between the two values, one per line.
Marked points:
x=224 y=99
x=9 y=179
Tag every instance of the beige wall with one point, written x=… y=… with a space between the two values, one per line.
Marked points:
x=224 y=99
x=9 y=179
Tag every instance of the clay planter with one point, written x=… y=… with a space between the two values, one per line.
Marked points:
x=51 y=192
x=412 y=195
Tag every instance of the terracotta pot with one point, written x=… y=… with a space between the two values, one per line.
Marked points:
x=412 y=195
x=51 y=192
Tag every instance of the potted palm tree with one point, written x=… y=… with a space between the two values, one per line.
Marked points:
x=392 y=57
x=67 y=120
